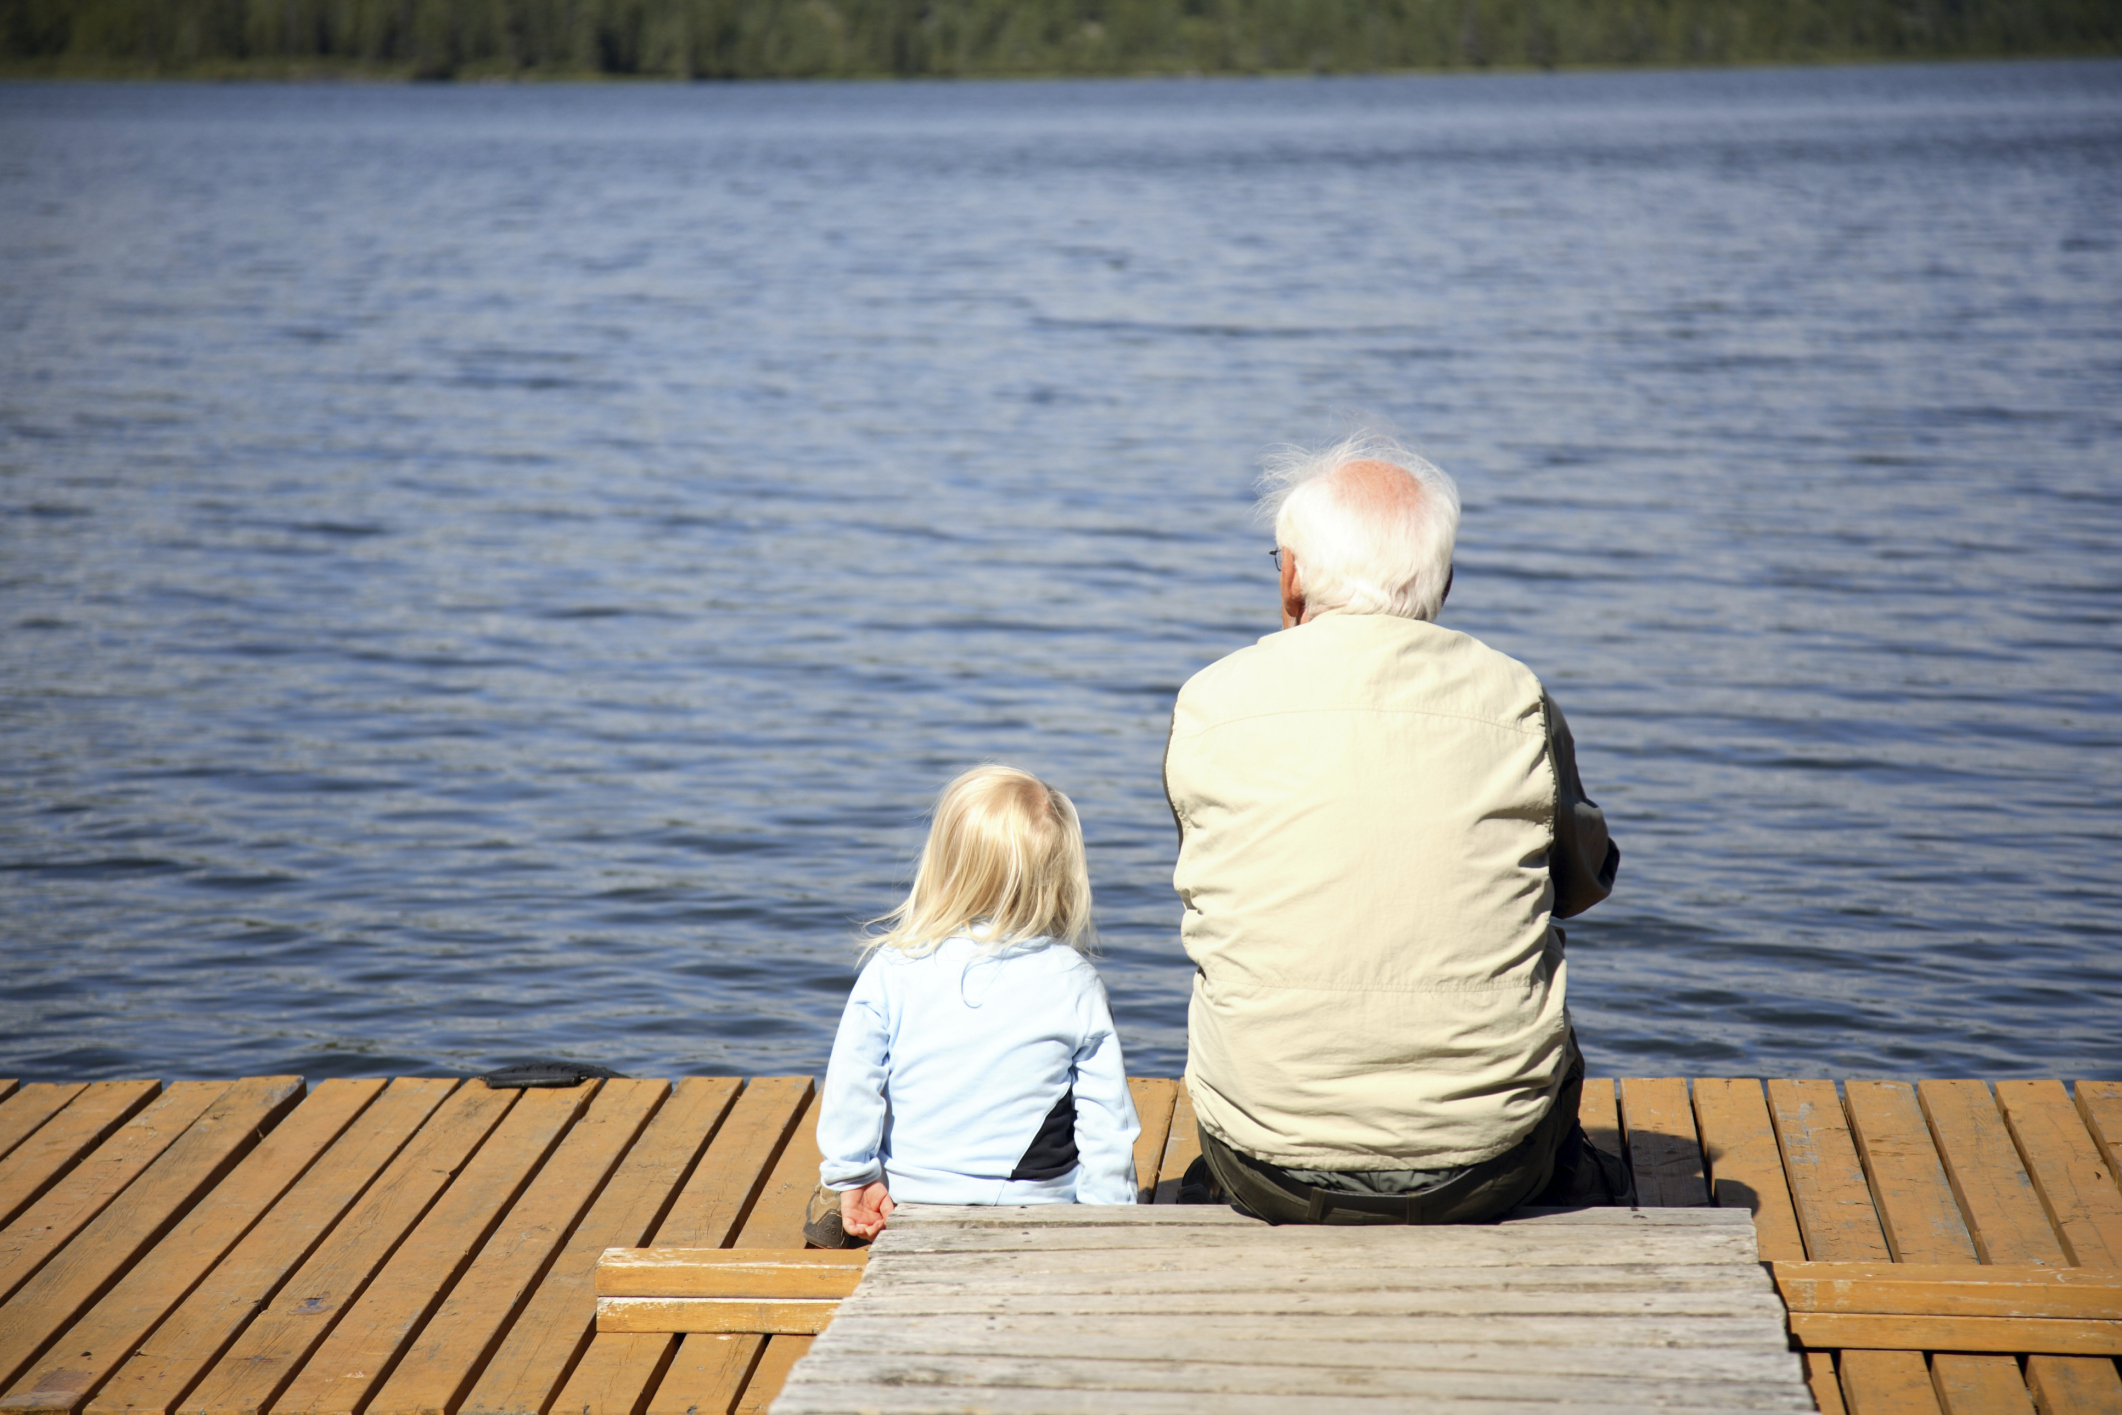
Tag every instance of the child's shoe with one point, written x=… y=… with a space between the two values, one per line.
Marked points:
x=821 y=1222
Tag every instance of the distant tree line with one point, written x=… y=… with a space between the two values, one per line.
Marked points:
x=707 y=39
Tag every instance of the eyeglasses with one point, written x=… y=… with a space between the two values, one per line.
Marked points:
x=1276 y=556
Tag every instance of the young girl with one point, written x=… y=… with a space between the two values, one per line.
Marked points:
x=976 y=1062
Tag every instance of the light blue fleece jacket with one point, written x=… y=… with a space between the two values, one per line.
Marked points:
x=945 y=1066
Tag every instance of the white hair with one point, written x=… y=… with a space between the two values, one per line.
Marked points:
x=1363 y=549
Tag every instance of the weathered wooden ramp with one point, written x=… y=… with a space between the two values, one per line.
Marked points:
x=1176 y=1309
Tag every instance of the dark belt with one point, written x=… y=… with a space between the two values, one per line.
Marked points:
x=1404 y=1207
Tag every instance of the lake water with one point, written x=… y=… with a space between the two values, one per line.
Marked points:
x=497 y=572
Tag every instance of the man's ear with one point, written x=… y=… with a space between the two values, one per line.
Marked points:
x=1448 y=573
x=1292 y=596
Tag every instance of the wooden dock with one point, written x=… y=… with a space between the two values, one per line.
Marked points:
x=428 y=1247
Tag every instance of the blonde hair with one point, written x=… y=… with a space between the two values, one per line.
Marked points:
x=1004 y=863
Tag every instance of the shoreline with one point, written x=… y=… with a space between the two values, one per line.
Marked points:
x=321 y=74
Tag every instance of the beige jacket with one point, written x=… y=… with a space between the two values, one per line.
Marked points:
x=1368 y=810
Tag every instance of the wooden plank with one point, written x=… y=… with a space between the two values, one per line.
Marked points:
x=1121 y=1381
x=2100 y=1103
x=1828 y=1190
x=433 y=1375
x=364 y=1345
x=964 y=1218
x=615 y=1375
x=28 y=1108
x=1887 y=1383
x=708 y=1374
x=776 y=1216
x=109 y=1243
x=752 y=1184
x=776 y=1222
x=1825 y=1385
x=1244 y=1291
x=1978 y=1385
x=1949 y=1290
x=545 y=1343
x=2077 y=1190
x=1401 y=1269
x=767 y=1378
x=163 y=1368
x=1914 y=1198
x=1599 y=1112
x=728 y=1180
x=2004 y=1216
x=1662 y=1144
x=768 y=1316
x=2072 y=1337
x=1468 y=1245
x=2074 y=1387
x=1917 y=1205
x=273 y=1348
x=820 y=1399
x=48 y=1153
x=1745 y=1165
x=1182 y=1145
x=1154 y=1098
x=729 y=1272
x=93 y=1347
x=1386 y=1342
x=71 y=1204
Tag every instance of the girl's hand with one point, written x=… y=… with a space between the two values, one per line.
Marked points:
x=864 y=1210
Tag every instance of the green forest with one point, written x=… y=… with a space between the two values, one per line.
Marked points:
x=716 y=39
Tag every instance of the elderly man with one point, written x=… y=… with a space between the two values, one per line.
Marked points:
x=1379 y=821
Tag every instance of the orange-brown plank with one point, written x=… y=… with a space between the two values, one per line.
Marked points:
x=1662 y=1143
x=2064 y=1385
x=70 y=1205
x=1979 y=1385
x=23 y=1112
x=363 y=1348
x=273 y=1348
x=1745 y=1167
x=775 y=1221
x=776 y=1217
x=49 y=1152
x=1909 y=1187
x=1154 y=1097
x=781 y=1353
x=2006 y=1219
x=2100 y=1102
x=109 y=1243
x=727 y=1181
x=1913 y=1191
x=1599 y=1112
x=1827 y=1187
x=2003 y=1213
x=1839 y=1224
x=707 y=1375
x=165 y=1366
x=434 y=1373
x=1826 y=1385
x=1887 y=1383
x=543 y=1345
x=1181 y=1148
x=2077 y=1190
x=749 y=1191
x=616 y=1374
x=91 y=1349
